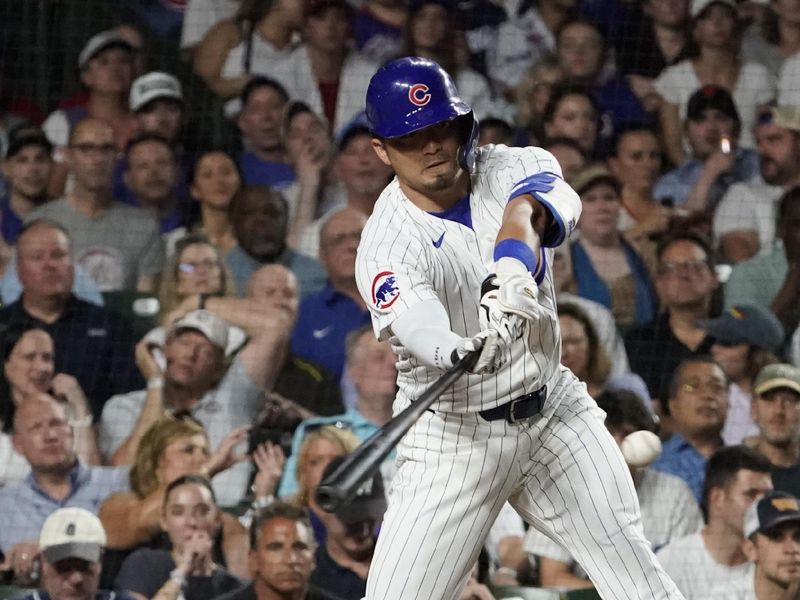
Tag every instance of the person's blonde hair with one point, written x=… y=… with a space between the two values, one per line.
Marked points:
x=344 y=438
x=168 y=296
x=531 y=79
x=167 y=429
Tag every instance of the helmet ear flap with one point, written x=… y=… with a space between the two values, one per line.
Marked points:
x=470 y=131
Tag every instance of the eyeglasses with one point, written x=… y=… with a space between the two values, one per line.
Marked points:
x=191 y=267
x=87 y=148
x=715 y=387
x=693 y=267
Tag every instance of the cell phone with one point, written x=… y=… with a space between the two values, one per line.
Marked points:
x=279 y=437
x=725 y=145
x=157 y=352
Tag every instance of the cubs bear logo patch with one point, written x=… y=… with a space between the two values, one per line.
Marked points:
x=384 y=290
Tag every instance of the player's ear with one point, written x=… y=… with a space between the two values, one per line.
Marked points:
x=380 y=150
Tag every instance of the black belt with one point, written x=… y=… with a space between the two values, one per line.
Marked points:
x=518 y=409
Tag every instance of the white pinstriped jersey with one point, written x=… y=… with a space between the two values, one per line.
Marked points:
x=407 y=256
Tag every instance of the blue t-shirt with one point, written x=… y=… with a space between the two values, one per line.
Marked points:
x=256 y=171
x=678 y=457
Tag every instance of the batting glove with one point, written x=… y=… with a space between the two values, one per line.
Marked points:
x=488 y=343
x=512 y=289
x=404 y=362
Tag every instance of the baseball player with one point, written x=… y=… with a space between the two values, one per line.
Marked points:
x=519 y=427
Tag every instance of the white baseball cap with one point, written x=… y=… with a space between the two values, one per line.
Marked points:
x=152 y=86
x=699 y=6
x=99 y=42
x=207 y=323
x=72 y=533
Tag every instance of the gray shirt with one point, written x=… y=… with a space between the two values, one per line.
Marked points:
x=236 y=401
x=114 y=248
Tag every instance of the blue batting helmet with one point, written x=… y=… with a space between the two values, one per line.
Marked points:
x=411 y=93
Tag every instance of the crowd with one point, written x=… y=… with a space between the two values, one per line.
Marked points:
x=185 y=350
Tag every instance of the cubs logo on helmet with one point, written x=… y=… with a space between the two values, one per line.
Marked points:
x=418 y=94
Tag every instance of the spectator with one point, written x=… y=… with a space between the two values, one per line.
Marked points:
x=281 y=556
x=532 y=96
x=106 y=66
x=685 y=281
x=581 y=351
x=697 y=407
x=310 y=387
x=72 y=544
x=774 y=279
x=46 y=270
x=362 y=175
x=215 y=183
x=772 y=544
x=58 y=479
x=735 y=478
x=636 y=162
x=527 y=36
x=431 y=31
x=327 y=317
x=572 y=113
x=669 y=511
x=713 y=59
x=717 y=161
x=378 y=29
x=371 y=368
x=583 y=55
x=191 y=519
x=199 y=16
x=746 y=338
x=250 y=43
x=495 y=131
x=263 y=161
x=198 y=379
x=310 y=152
x=324 y=70
x=776 y=413
x=260 y=222
x=120 y=246
x=744 y=222
x=774 y=41
x=156 y=101
x=569 y=154
x=26 y=166
x=175 y=446
x=606 y=267
x=151 y=175
x=789 y=81
x=28 y=372
x=343 y=561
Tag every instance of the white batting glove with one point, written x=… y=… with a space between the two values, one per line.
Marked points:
x=488 y=343
x=515 y=290
x=404 y=362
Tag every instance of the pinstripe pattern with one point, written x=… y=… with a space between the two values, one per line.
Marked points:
x=561 y=470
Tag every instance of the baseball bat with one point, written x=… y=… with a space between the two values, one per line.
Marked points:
x=339 y=487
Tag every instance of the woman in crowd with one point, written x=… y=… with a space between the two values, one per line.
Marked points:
x=533 y=95
x=572 y=113
x=746 y=338
x=175 y=445
x=215 y=183
x=260 y=33
x=714 y=59
x=776 y=37
x=605 y=267
x=191 y=520
x=28 y=371
x=581 y=351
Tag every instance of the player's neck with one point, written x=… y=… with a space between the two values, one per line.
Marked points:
x=440 y=200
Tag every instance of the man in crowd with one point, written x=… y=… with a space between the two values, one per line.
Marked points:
x=44 y=436
x=156 y=101
x=263 y=161
x=776 y=413
x=72 y=543
x=735 y=477
x=371 y=368
x=47 y=273
x=118 y=245
x=327 y=317
x=772 y=544
x=197 y=378
x=697 y=407
x=260 y=222
x=744 y=222
x=26 y=167
x=717 y=161
x=344 y=559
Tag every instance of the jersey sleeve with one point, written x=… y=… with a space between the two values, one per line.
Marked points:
x=392 y=272
x=531 y=170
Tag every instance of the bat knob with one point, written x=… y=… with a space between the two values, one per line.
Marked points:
x=328 y=497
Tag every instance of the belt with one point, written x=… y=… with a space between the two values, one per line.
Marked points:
x=518 y=409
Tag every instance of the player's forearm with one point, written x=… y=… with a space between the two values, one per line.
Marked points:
x=522 y=221
x=424 y=329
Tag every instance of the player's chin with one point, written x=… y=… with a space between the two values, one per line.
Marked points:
x=438 y=183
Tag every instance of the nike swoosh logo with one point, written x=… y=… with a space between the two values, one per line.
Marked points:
x=321 y=333
x=438 y=243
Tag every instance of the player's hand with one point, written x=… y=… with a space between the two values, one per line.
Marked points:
x=486 y=342
x=404 y=362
